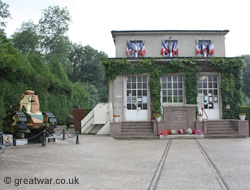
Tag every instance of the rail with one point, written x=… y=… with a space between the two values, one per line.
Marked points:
x=203 y=120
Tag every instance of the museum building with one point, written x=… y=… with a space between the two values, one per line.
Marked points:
x=177 y=75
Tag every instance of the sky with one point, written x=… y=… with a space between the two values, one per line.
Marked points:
x=93 y=20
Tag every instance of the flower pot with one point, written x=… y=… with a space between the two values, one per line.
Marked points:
x=199 y=118
x=158 y=119
x=242 y=117
x=116 y=119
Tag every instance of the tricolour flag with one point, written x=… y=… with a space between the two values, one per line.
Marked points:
x=204 y=49
x=175 y=49
x=128 y=48
x=198 y=48
x=211 y=48
x=170 y=49
x=143 y=49
x=136 y=50
x=131 y=48
x=164 y=49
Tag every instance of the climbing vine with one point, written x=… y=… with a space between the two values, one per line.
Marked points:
x=230 y=69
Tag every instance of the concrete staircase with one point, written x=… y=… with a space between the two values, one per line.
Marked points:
x=221 y=128
x=137 y=130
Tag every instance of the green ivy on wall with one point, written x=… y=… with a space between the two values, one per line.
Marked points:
x=230 y=69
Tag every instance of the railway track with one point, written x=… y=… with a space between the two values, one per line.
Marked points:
x=222 y=184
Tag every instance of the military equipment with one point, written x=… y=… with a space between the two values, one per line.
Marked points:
x=26 y=117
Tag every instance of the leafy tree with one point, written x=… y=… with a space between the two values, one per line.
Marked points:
x=53 y=26
x=4 y=13
x=55 y=43
x=246 y=76
x=26 y=38
x=87 y=68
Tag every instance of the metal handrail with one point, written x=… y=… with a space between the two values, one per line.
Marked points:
x=203 y=120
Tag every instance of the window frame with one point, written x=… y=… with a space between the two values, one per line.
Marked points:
x=172 y=75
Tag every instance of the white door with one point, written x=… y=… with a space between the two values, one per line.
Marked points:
x=209 y=92
x=136 y=101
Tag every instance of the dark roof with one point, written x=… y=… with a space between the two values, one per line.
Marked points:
x=169 y=31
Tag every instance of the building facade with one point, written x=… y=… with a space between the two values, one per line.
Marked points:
x=175 y=73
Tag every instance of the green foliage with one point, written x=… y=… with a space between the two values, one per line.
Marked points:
x=29 y=72
x=230 y=69
x=26 y=38
x=4 y=13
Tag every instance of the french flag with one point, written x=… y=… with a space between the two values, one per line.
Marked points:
x=128 y=48
x=198 y=48
x=143 y=49
x=211 y=48
x=136 y=50
x=163 y=48
x=170 y=49
x=175 y=49
x=204 y=49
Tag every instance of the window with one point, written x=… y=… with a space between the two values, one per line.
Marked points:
x=208 y=89
x=170 y=48
x=136 y=48
x=172 y=89
x=207 y=45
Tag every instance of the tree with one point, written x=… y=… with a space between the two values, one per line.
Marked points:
x=4 y=13
x=53 y=26
x=26 y=38
x=87 y=68
x=55 y=43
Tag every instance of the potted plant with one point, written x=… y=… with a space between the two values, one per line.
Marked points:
x=242 y=116
x=199 y=117
x=158 y=116
x=116 y=118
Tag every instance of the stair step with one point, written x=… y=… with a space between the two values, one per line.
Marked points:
x=131 y=137
x=137 y=133
x=136 y=127
x=136 y=130
x=224 y=136
x=221 y=129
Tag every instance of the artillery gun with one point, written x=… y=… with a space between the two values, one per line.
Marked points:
x=26 y=118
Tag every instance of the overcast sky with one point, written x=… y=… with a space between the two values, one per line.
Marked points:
x=92 y=20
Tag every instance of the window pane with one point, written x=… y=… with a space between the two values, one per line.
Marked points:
x=145 y=106
x=169 y=92
x=174 y=78
x=164 y=99
x=133 y=79
x=139 y=85
x=180 y=92
x=169 y=85
x=179 y=85
x=144 y=79
x=216 y=92
x=129 y=79
x=181 y=99
x=169 y=99
x=164 y=85
x=133 y=92
x=169 y=79
x=210 y=78
x=215 y=78
x=139 y=92
x=128 y=85
x=179 y=78
x=134 y=85
x=133 y=106
x=175 y=85
x=145 y=85
x=210 y=85
x=175 y=99
x=129 y=93
x=200 y=85
x=205 y=92
x=164 y=92
x=129 y=106
x=215 y=85
x=144 y=92
x=175 y=92
x=204 y=84
x=139 y=78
